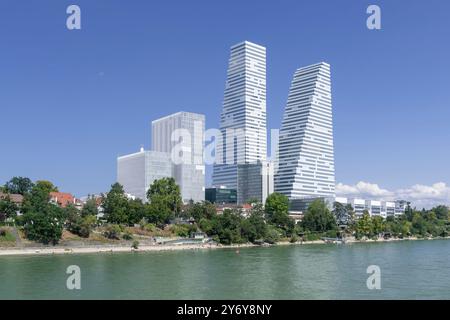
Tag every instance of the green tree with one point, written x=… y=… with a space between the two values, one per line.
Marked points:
x=45 y=227
x=158 y=213
x=226 y=227
x=136 y=211
x=364 y=226
x=343 y=213
x=200 y=210
x=248 y=231
x=419 y=224
x=441 y=212
x=378 y=225
x=42 y=221
x=256 y=219
x=46 y=185
x=78 y=224
x=18 y=185
x=409 y=212
x=318 y=217
x=276 y=204
x=90 y=208
x=166 y=193
x=276 y=207
x=8 y=209
x=273 y=234
x=115 y=205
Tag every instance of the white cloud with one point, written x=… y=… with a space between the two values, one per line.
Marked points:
x=421 y=196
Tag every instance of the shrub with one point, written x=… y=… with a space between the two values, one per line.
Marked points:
x=135 y=244
x=150 y=227
x=312 y=236
x=183 y=230
x=112 y=232
x=272 y=236
x=331 y=234
x=127 y=235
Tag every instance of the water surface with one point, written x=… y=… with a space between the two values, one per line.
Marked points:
x=409 y=270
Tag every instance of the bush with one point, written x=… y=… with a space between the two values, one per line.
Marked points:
x=331 y=234
x=127 y=235
x=135 y=245
x=312 y=236
x=183 y=230
x=81 y=226
x=150 y=227
x=273 y=235
x=293 y=239
x=112 y=232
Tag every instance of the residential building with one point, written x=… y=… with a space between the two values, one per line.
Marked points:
x=62 y=199
x=375 y=207
x=243 y=117
x=15 y=198
x=181 y=135
x=305 y=151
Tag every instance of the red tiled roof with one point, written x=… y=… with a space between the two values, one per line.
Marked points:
x=62 y=198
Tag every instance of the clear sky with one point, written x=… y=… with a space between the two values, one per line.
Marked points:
x=72 y=101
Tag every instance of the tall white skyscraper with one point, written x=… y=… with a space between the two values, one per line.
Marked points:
x=243 y=117
x=305 y=155
x=181 y=135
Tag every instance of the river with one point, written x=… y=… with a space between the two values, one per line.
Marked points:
x=409 y=270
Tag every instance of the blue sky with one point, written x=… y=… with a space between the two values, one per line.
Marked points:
x=71 y=101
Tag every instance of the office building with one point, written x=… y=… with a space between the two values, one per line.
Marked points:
x=221 y=195
x=181 y=135
x=255 y=181
x=305 y=150
x=136 y=172
x=243 y=117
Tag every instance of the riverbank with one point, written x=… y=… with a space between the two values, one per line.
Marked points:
x=48 y=250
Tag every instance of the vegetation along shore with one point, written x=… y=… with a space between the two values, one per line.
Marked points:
x=115 y=222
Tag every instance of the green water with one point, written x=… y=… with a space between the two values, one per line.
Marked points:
x=409 y=270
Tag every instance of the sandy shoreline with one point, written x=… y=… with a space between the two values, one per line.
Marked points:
x=156 y=248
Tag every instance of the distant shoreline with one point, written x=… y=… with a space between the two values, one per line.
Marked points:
x=39 y=251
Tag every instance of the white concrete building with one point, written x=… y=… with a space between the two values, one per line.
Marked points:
x=243 y=117
x=305 y=150
x=136 y=172
x=181 y=135
x=375 y=207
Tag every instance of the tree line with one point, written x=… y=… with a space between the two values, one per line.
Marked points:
x=270 y=222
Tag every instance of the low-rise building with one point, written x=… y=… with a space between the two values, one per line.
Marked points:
x=373 y=207
x=15 y=198
x=62 y=199
x=221 y=195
